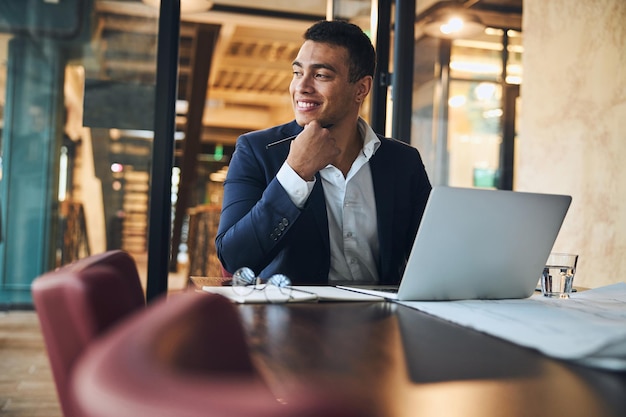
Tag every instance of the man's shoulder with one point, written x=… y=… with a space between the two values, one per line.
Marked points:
x=395 y=146
x=271 y=134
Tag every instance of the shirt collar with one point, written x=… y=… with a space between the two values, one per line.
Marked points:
x=370 y=140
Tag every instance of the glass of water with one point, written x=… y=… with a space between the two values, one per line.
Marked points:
x=557 y=279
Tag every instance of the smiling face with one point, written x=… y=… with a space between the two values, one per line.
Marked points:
x=320 y=89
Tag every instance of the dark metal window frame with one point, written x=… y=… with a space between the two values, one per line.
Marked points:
x=160 y=206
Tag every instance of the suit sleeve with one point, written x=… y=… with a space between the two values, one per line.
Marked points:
x=257 y=212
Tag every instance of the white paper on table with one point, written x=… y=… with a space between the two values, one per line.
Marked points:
x=330 y=293
x=589 y=327
x=300 y=293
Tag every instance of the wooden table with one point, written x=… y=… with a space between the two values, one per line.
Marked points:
x=397 y=361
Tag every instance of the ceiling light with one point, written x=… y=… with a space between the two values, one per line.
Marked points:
x=186 y=6
x=453 y=23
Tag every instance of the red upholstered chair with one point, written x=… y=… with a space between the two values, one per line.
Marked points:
x=184 y=356
x=77 y=303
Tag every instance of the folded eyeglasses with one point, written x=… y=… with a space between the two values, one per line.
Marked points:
x=277 y=288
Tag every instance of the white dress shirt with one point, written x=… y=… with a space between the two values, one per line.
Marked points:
x=351 y=211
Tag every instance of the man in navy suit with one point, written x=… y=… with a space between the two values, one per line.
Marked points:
x=338 y=203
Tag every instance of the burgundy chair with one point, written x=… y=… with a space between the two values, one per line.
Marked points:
x=184 y=356
x=77 y=303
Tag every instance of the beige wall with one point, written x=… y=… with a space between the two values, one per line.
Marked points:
x=572 y=136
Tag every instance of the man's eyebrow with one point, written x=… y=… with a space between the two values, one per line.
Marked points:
x=315 y=66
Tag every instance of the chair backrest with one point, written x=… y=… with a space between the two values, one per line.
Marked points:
x=184 y=356
x=77 y=303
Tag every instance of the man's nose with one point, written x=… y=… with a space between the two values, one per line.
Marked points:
x=303 y=84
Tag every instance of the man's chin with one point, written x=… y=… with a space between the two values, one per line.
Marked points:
x=303 y=121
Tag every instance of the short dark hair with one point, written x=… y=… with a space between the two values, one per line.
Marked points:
x=340 y=33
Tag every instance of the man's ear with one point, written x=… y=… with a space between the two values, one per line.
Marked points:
x=364 y=85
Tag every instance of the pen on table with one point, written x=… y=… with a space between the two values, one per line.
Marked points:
x=289 y=138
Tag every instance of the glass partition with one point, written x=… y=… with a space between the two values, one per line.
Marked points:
x=477 y=58
x=78 y=86
x=474 y=133
x=465 y=105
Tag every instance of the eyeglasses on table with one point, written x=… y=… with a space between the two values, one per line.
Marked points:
x=277 y=288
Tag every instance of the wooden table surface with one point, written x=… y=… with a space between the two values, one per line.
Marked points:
x=397 y=361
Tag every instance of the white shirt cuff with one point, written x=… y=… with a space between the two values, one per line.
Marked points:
x=297 y=188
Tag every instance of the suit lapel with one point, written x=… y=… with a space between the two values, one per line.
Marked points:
x=382 y=178
x=317 y=203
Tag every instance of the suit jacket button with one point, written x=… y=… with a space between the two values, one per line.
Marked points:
x=285 y=221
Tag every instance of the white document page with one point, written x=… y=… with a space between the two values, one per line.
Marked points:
x=589 y=327
x=299 y=293
x=329 y=293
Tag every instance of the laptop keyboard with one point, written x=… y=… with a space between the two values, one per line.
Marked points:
x=389 y=290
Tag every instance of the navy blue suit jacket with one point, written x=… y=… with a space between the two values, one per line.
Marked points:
x=261 y=228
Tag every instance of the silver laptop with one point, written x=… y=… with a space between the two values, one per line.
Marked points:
x=479 y=244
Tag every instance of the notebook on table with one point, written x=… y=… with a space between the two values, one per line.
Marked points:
x=478 y=244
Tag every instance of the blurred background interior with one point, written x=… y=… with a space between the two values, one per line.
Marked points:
x=78 y=93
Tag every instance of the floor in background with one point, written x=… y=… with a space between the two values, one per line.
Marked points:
x=26 y=385
x=175 y=280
